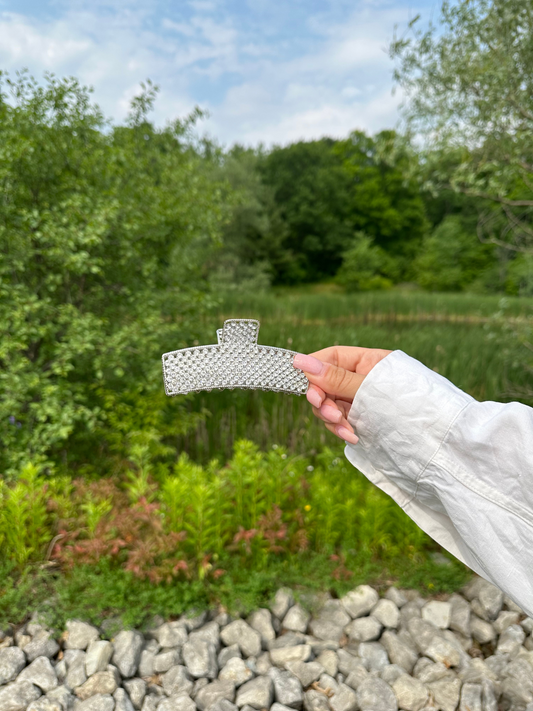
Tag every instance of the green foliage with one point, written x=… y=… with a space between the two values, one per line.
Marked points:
x=95 y=224
x=384 y=198
x=365 y=265
x=452 y=259
x=469 y=86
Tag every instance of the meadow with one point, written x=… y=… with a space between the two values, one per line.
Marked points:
x=261 y=494
x=470 y=339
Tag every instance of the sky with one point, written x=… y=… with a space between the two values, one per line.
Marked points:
x=266 y=71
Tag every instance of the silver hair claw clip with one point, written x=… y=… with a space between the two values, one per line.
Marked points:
x=236 y=361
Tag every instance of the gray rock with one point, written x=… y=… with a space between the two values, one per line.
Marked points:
x=428 y=671
x=227 y=653
x=410 y=693
x=42 y=645
x=356 y=677
x=80 y=634
x=283 y=599
x=122 y=701
x=374 y=655
x=527 y=624
x=446 y=693
x=44 y=704
x=328 y=684
x=347 y=662
x=299 y=653
x=261 y=621
x=136 y=689
x=437 y=612
x=224 y=705
x=306 y=672
x=511 y=640
x=61 y=670
x=181 y=702
x=177 y=680
x=491 y=599
x=296 y=619
x=216 y=691
x=210 y=632
x=481 y=630
x=290 y=639
x=235 y=671
x=200 y=657
x=505 y=619
x=287 y=688
x=460 y=614
x=17 y=695
x=198 y=686
x=398 y=652
x=100 y=702
x=21 y=638
x=345 y=699
x=517 y=685
x=171 y=634
x=194 y=620
x=440 y=650
x=103 y=682
x=320 y=645
x=423 y=633
x=41 y=673
x=330 y=623
x=391 y=673
x=63 y=697
x=263 y=663
x=387 y=613
x=397 y=596
x=315 y=701
x=239 y=632
x=76 y=674
x=489 y=698
x=376 y=695
x=146 y=664
x=408 y=611
x=329 y=660
x=363 y=629
x=164 y=660
x=99 y=654
x=257 y=693
x=150 y=702
x=12 y=662
x=277 y=707
x=359 y=602
x=128 y=645
x=471 y=698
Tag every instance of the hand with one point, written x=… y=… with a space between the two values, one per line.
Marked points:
x=335 y=375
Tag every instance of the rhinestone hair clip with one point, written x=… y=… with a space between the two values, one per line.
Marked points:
x=236 y=361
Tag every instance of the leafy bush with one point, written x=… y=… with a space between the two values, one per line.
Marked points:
x=192 y=522
x=97 y=275
x=365 y=266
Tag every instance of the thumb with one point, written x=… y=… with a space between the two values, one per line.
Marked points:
x=333 y=380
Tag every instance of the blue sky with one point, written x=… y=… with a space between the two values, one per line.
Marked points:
x=266 y=71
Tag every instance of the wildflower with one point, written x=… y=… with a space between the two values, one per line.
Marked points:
x=284 y=456
x=310 y=468
x=307 y=507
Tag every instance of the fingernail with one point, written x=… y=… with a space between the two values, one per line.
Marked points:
x=314 y=398
x=307 y=363
x=345 y=434
x=331 y=413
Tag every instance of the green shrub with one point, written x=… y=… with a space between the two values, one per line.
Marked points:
x=365 y=266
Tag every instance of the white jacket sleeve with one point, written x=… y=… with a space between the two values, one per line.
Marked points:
x=461 y=469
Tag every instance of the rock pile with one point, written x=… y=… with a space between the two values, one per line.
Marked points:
x=472 y=652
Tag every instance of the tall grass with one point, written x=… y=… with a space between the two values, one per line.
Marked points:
x=459 y=336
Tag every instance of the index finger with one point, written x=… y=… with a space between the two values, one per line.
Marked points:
x=353 y=358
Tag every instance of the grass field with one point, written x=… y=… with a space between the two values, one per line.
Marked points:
x=463 y=337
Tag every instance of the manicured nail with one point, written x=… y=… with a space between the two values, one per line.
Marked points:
x=344 y=433
x=314 y=398
x=308 y=363
x=331 y=413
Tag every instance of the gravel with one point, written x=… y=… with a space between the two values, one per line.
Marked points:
x=470 y=651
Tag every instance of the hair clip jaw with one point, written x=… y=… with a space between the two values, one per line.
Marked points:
x=236 y=361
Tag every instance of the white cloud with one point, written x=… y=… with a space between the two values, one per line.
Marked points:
x=254 y=89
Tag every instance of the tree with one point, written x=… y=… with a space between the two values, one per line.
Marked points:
x=469 y=85
x=384 y=199
x=311 y=191
x=95 y=221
